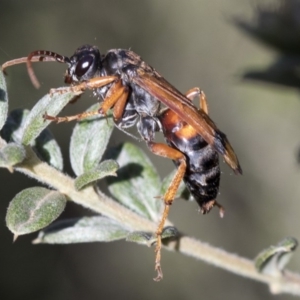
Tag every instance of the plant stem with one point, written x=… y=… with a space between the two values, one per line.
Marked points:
x=287 y=283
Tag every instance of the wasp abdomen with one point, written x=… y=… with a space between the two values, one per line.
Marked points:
x=202 y=176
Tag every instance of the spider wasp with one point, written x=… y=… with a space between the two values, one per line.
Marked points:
x=140 y=95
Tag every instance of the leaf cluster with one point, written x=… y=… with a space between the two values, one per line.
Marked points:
x=132 y=179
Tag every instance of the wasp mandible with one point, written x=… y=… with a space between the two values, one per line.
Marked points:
x=140 y=96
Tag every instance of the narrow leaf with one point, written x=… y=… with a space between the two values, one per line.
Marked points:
x=166 y=183
x=50 y=104
x=141 y=237
x=47 y=148
x=11 y=154
x=170 y=232
x=137 y=184
x=106 y=168
x=13 y=129
x=274 y=259
x=148 y=238
x=33 y=209
x=87 y=229
x=3 y=100
x=89 y=141
x=44 y=145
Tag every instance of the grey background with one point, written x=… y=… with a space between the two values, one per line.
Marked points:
x=191 y=43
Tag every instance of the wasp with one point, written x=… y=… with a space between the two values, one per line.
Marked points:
x=140 y=96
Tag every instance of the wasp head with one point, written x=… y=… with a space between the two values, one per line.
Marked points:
x=84 y=64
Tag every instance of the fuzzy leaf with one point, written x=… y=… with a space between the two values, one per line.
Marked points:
x=273 y=259
x=47 y=148
x=89 y=141
x=33 y=209
x=137 y=184
x=87 y=229
x=148 y=238
x=13 y=129
x=141 y=237
x=106 y=168
x=44 y=145
x=166 y=182
x=3 y=100
x=170 y=232
x=11 y=154
x=50 y=104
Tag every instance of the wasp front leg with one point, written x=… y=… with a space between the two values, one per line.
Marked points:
x=171 y=153
x=117 y=94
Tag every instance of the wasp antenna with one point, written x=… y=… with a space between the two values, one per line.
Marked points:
x=13 y=62
x=42 y=55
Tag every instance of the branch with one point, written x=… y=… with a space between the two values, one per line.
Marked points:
x=287 y=282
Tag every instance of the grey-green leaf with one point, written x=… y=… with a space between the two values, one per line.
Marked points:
x=50 y=104
x=106 y=168
x=137 y=185
x=13 y=129
x=11 y=154
x=148 y=238
x=33 y=209
x=170 y=232
x=141 y=237
x=274 y=259
x=44 y=145
x=3 y=100
x=87 y=229
x=48 y=149
x=166 y=183
x=89 y=141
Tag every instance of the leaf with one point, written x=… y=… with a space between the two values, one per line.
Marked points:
x=148 y=238
x=44 y=145
x=137 y=184
x=141 y=237
x=50 y=104
x=273 y=259
x=33 y=209
x=13 y=129
x=170 y=232
x=181 y=192
x=11 y=154
x=3 y=100
x=88 y=142
x=87 y=229
x=106 y=168
x=47 y=149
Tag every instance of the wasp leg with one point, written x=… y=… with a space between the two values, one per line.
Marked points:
x=91 y=84
x=192 y=93
x=171 y=153
x=77 y=117
x=116 y=93
x=120 y=104
x=206 y=208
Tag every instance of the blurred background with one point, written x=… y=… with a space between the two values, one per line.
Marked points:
x=191 y=43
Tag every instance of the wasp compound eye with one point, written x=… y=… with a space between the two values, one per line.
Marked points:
x=84 y=65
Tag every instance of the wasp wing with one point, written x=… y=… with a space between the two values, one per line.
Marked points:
x=162 y=90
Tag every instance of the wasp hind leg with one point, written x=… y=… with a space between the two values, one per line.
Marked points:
x=197 y=92
x=171 y=153
x=191 y=94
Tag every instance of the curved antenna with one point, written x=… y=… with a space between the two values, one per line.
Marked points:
x=22 y=60
x=42 y=55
